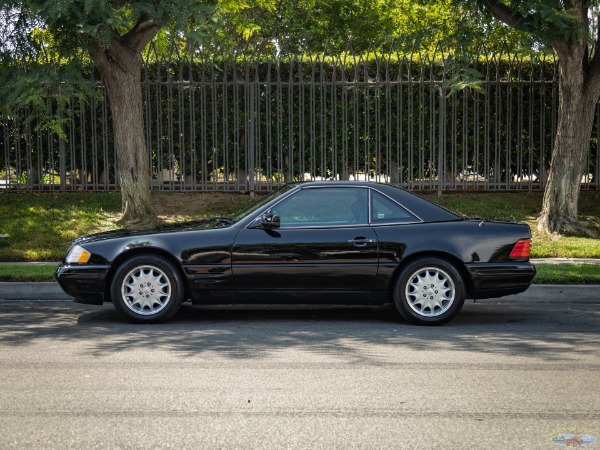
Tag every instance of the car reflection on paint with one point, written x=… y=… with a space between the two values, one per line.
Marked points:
x=319 y=242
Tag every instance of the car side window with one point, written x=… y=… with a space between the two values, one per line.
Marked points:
x=324 y=207
x=384 y=210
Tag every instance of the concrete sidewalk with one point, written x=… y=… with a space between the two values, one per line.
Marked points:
x=537 y=293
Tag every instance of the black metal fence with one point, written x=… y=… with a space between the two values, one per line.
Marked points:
x=253 y=124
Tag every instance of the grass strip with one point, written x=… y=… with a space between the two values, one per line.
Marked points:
x=27 y=272
x=567 y=274
x=546 y=273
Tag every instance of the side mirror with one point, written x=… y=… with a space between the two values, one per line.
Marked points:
x=270 y=221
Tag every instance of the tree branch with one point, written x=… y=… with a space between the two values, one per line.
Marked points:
x=118 y=4
x=510 y=17
x=141 y=34
x=594 y=69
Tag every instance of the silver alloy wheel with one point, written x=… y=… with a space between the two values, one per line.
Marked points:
x=146 y=290
x=430 y=291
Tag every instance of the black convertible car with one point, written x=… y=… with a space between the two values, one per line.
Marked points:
x=318 y=242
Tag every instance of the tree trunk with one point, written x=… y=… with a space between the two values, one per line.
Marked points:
x=579 y=89
x=571 y=145
x=120 y=67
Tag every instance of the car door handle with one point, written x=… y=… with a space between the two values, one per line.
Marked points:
x=360 y=241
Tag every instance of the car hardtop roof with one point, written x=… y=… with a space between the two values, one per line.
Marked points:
x=334 y=182
x=423 y=208
x=347 y=183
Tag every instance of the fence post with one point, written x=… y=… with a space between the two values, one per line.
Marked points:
x=442 y=141
x=62 y=157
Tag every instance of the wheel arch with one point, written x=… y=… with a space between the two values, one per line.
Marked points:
x=153 y=251
x=448 y=257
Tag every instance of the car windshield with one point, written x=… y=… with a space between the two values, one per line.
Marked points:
x=255 y=206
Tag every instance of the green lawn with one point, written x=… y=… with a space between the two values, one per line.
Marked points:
x=42 y=226
x=567 y=274
x=15 y=272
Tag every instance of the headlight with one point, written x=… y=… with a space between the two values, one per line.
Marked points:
x=78 y=255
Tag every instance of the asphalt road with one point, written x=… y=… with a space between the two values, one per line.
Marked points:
x=500 y=376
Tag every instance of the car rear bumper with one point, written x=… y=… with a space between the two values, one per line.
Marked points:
x=490 y=280
x=85 y=283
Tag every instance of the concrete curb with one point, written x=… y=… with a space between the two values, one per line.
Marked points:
x=537 y=293
x=31 y=290
x=553 y=293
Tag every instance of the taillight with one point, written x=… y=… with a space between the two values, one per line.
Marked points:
x=521 y=250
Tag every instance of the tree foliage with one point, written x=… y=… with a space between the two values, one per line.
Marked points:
x=335 y=26
x=110 y=33
x=113 y=34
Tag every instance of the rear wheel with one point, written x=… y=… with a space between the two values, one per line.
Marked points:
x=147 y=288
x=429 y=291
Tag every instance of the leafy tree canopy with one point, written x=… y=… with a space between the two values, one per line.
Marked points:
x=335 y=26
x=45 y=41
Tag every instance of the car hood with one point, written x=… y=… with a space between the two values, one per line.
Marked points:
x=161 y=229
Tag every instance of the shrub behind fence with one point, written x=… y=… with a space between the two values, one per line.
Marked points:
x=255 y=124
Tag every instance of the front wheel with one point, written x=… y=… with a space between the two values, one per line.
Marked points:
x=429 y=291
x=147 y=288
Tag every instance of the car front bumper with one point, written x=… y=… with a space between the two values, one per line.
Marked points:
x=490 y=280
x=85 y=283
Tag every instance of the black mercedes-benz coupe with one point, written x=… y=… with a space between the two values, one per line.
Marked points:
x=318 y=242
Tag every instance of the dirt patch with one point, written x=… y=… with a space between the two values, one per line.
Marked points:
x=177 y=206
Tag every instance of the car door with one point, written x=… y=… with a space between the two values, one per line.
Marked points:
x=323 y=243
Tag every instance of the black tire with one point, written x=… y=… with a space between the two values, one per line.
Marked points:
x=429 y=291
x=158 y=293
